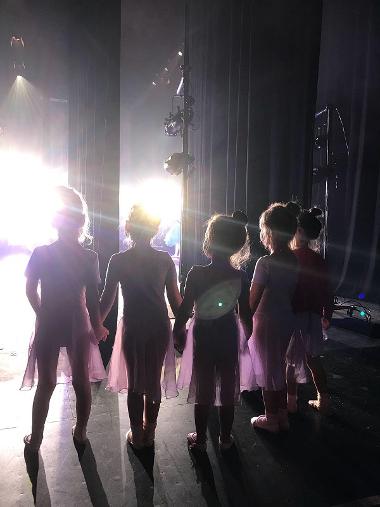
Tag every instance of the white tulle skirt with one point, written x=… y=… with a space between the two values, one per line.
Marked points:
x=216 y=364
x=143 y=363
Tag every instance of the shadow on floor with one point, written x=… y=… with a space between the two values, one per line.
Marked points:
x=142 y=463
x=205 y=476
x=91 y=476
x=36 y=472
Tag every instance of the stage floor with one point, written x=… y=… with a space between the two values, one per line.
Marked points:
x=322 y=461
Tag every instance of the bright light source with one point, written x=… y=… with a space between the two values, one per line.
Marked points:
x=154 y=83
x=160 y=196
x=27 y=199
x=19 y=77
x=180 y=53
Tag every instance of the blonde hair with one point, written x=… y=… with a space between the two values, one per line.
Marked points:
x=227 y=236
x=277 y=226
x=72 y=214
x=141 y=225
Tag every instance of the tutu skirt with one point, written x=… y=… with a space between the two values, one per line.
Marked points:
x=44 y=336
x=307 y=340
x=143 y=362
x=268 y=346
x=216 y=364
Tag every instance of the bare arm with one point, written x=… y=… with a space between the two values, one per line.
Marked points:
x=110 y=289
x=172 y=291
x=32 y=294
x=92 y=300
x=245 y=313
x=255 y=296
x=184 y=312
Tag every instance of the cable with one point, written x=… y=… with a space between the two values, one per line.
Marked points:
x=344 y=131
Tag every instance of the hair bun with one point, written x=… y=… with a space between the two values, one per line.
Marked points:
x=316 y=212
x=240 y=217
x=294 y=208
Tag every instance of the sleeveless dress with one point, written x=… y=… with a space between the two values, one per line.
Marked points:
x=144 y=340
x=273 y=321
x=63 y=319
x=216 y=364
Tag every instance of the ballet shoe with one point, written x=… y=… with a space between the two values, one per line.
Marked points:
x=322 y=403
x=32 y=447
x=283 y=421
x=149 y=434
x=194 y=444
x=267 y=422
x=135 y=438
x=292 y=404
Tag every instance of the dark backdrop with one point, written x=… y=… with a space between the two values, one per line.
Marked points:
x=254 y=80
x=349 y=79
x=94 y=123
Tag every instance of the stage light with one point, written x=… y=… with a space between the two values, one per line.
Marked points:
x=160 y=196
x=180 y=53
x=362 y=314
x=154 y=83
x=176 y=163
x=27 y=199
x=361 y=295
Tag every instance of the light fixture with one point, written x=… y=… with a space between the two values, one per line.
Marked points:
x=177 y=162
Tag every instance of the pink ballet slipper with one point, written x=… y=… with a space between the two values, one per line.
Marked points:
x=283 y=421
x=268 y=422
x=225 y=446
x=194 y=444
x=135 y=437
x=149 y=434
x=292 y=404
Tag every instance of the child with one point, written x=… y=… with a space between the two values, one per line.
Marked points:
x=210 y=363
x=313 y=305
x=143 y=339
x=67 y=315
x=273 y=284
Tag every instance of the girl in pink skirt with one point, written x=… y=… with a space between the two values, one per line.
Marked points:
x=216 y=364
x=67 y=316
x=273 y=284
x=144 y=339
x=313 y=305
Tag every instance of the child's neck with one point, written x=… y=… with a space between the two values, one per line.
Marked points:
x=68 y=238
x=220 y=261
x=302 y=243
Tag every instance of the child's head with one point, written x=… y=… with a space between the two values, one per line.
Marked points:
x=141 y=225
x=226 y=236
x=71 y=217
x=309 y=226
x=277 y=227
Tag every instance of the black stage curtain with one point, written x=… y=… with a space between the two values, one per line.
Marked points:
x=254 y=67
x=94 y=124
x=349 y=80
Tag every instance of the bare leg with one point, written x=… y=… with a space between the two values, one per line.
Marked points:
x=226 y=418
x=201 y=417
x=81 y=384
x=322 y=403
x=47 y=359
x=319 y=375
x=136 y=411
x=291 y=380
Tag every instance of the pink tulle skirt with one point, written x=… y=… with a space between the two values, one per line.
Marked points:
x=142 y=363
x=81 y=331
x=268 y=346
x=307 y=340
x=216 y=364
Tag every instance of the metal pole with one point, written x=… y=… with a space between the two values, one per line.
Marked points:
x=183 y=268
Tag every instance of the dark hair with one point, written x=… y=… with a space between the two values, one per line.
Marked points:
x=141 y=225
x=227 y=236
x=72 y=213
x=278 y=225
x=307 y=219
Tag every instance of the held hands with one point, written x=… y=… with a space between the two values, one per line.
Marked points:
x=101 y=333
x=180 y=336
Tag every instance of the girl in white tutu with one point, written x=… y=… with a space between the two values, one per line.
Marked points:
x=216 y=364
x=143 y=339
x=67 y=316
x=273 y=284
x=313 y=304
